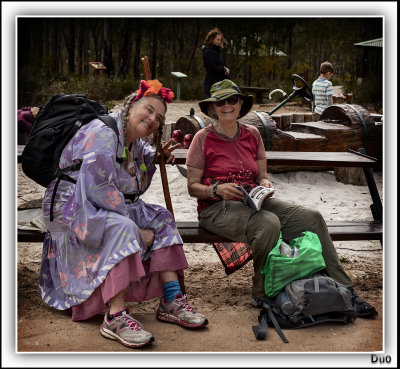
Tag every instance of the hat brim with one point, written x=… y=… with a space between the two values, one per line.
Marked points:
x=246 y=106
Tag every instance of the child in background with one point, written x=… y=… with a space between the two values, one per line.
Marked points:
x=322 y=90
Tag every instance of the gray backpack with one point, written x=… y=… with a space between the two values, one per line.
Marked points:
x=305 y=302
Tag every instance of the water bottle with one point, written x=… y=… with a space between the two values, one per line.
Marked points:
x=285 y=303
x=295 y=252
x=285 y=249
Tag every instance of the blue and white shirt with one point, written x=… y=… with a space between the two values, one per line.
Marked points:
x=322 y=90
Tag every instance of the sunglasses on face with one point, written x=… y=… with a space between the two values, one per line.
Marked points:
x=231 y=101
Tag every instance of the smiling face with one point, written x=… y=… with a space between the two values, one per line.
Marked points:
x=228 y=112
x=145 y=117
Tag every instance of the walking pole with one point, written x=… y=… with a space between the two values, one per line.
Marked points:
x=163 y=170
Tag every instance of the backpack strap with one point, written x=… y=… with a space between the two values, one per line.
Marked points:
x=110 y=122
x=261 y=331
x=61 y=175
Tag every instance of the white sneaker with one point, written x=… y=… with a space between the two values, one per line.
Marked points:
x=126 y=330
x=178 y=311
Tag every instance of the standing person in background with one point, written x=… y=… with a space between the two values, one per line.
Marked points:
x=322 y=90
x=213 y=63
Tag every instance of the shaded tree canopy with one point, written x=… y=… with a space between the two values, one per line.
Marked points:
x=258 y=51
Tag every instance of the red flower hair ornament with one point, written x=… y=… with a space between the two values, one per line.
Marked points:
x=153 y=87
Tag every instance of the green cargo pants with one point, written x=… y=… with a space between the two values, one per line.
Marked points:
x=261 y=229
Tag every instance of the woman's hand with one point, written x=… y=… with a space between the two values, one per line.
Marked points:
x=167 y=150
x=265 y=182
x=35 y=111
x=148 y=236
x=228 y=191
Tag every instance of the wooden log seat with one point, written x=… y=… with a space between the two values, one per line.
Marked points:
x=366 y=133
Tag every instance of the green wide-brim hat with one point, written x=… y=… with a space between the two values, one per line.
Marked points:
x=223 y=90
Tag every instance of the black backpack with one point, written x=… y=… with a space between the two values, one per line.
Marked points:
x=305 y=302
x=56 y=123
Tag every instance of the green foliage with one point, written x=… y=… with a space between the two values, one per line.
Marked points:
x=191 y=88
x=101 y=89
x=368 y=93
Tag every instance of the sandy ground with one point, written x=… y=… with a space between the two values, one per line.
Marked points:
x=225 y=300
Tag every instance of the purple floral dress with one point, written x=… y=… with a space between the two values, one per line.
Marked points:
x=94 y=229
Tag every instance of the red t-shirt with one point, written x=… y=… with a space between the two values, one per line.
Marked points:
x=225 y=159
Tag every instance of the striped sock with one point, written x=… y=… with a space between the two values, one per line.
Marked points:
x=171 y=289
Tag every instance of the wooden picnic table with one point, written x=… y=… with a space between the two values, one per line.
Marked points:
x=306 y=159
x=259 y=91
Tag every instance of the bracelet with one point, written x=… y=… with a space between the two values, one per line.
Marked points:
x=214 y=190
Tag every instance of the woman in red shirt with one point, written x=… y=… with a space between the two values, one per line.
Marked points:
x=227 y=153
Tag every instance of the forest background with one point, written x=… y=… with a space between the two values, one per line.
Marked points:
x=53 y=54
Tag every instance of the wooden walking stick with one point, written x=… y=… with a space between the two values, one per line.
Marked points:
x=163 y=169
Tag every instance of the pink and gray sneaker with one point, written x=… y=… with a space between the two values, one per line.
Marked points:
x=179 y=311
x=126 y=330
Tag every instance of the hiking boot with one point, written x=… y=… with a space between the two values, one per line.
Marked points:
x=179 y=311
x=126 y=330
x=362 y=308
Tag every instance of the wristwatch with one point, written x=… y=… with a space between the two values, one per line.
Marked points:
x=214 y=190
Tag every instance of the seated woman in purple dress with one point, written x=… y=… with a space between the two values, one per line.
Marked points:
x=105 y=246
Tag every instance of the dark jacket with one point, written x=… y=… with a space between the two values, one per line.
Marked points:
x=214 y=65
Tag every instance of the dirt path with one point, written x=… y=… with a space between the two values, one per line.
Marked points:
x=224 y=300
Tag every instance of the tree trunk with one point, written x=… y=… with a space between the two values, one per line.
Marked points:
x=95 y=30
x=86 y=48
x=69 y=37
x=39 y=40
x=81 y=47
x=55 y=47
x=178 y=27
x=137 y=57
x=194 y=47
x=154 y=51
x=108 y=56
x=125 y=47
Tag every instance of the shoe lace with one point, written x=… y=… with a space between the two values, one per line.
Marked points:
x=185 y=304
x=128 y=320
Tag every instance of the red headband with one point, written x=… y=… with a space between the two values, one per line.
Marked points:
x=153 y=87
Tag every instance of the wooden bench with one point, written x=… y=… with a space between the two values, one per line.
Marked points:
x=259 y=91
x=192 y=233
x=339 y=231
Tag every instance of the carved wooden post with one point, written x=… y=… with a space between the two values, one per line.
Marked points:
x=163 y=169
x=146 y=68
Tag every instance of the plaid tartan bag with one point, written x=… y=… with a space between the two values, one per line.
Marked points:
x=233 y=255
